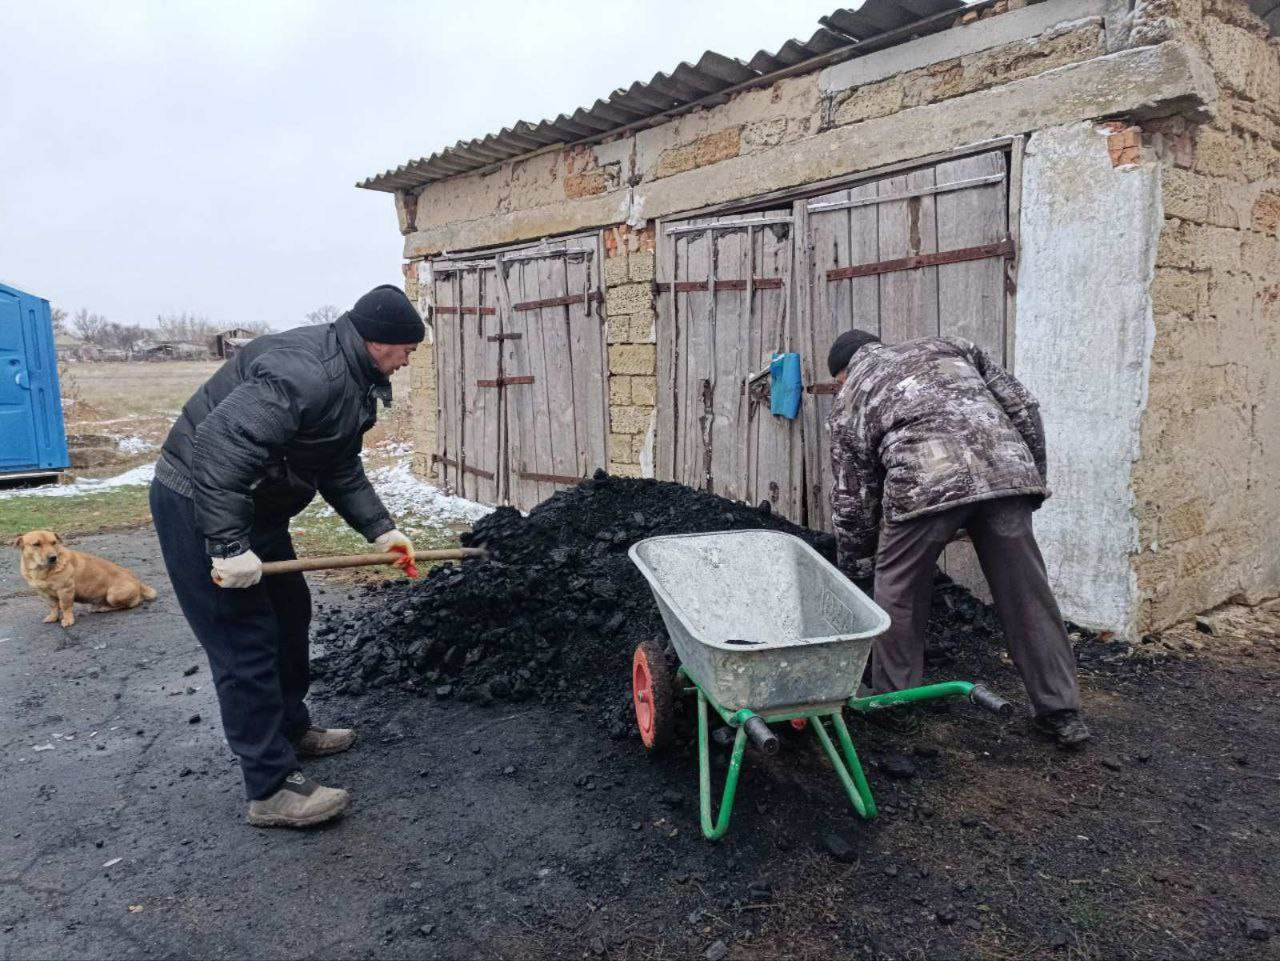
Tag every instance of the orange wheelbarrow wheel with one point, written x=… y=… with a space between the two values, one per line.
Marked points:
x=653 y=696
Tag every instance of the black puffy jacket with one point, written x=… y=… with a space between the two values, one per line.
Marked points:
x=278 y=422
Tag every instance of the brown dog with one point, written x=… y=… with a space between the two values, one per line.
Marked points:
x=64 y=576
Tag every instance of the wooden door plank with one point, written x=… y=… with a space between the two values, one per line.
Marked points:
x=459 y=389
x=483 y=405
x=491 y=352
x=698 y=335
x=558 y=364
x=438 y=334
x=774 y=435
x=584 y=358
x=726 y=365
x=510 y=322
x=908 y=298
x=971 y=295
x=472 y=399
x=520 y=413
x=757 y=336
x=668 y=397
x=536 y=396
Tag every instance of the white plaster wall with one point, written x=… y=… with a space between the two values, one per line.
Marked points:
x=1083 y=347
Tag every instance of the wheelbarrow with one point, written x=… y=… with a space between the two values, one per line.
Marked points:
x=767 y=631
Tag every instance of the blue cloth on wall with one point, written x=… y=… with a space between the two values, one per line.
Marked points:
x=785 y=386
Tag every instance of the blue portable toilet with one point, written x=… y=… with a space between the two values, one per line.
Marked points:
x=32 y=438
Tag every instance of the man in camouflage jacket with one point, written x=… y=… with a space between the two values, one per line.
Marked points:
x=929 y=437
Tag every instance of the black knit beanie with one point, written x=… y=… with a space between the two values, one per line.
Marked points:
x=385 y=316
x=846 y=345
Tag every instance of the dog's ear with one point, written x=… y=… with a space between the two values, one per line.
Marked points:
x=17 y=541
x=57 y=538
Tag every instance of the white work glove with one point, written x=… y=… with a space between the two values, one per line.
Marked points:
x=243 y=570
x=394 y=541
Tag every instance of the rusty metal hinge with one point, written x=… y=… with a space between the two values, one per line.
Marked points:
x=465 y=468
x=981 y=252
x=505 y=381
x=550 y=478
x=465 y=310
x=687 y=286
x=565 y=301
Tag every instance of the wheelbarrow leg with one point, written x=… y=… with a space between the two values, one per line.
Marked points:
x=714 y=832
x=848 y=768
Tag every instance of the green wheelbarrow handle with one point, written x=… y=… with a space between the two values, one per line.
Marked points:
x=978 y=694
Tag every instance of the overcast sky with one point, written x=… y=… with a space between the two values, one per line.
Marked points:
x=161 y=157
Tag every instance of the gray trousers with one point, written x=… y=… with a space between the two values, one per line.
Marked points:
x=1011 y=562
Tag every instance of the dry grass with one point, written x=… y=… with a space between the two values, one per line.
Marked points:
x=138 y=402
x=107 y=392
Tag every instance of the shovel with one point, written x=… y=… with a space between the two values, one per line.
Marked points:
x=368 y=560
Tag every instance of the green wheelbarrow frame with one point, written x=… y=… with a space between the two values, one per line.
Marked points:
x=844 y=759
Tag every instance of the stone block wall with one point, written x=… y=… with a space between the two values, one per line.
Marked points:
x=1205 y=485
x=422 y=382
x=633 y=363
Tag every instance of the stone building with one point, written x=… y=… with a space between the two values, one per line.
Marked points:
x=1089 y=190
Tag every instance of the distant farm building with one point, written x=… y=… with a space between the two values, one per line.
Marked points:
x=226 y=343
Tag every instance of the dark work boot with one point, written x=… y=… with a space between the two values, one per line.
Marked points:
x=1063 y=727
x=901 y=719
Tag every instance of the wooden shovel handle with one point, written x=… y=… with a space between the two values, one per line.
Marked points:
x=366 y=560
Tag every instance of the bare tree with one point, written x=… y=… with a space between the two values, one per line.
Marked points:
x=190 y=328
x=59 y=315
x=88 y=326
x=121 y=336
x=326 y=314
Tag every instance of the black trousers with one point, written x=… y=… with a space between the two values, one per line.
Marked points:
x=257 y=641
x=1010 y=558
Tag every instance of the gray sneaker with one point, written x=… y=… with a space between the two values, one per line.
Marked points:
x=323 y=741
x=300 y=803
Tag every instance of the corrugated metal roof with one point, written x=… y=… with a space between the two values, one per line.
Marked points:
x=843 y=34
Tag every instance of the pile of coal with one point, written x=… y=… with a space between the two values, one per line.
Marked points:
x=552 y=614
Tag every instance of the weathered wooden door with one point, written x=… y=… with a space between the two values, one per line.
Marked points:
x=521 y=370
x=468 y=364
x=917 y=254
x=554 y=367
x=724 y=309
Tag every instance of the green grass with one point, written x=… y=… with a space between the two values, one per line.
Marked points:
x=1085 y=911
x=120 y=508
x=318 y=533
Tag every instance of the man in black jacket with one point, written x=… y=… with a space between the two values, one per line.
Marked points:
x=279 y=422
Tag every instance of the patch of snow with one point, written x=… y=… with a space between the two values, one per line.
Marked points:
x=130 y=478
x=405 y=494
x=134 y=445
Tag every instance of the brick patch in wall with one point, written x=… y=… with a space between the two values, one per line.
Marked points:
x=1124 y=144
x=710 y=149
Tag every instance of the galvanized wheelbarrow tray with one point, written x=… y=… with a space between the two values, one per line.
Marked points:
x=767 y=631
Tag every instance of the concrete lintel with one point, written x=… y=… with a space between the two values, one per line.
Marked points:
x=957 y=42
x=1131 y=82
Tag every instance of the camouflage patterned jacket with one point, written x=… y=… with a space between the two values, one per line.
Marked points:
x=921 y=427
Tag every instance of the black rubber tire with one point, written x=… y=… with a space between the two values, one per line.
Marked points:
x=662 y=680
